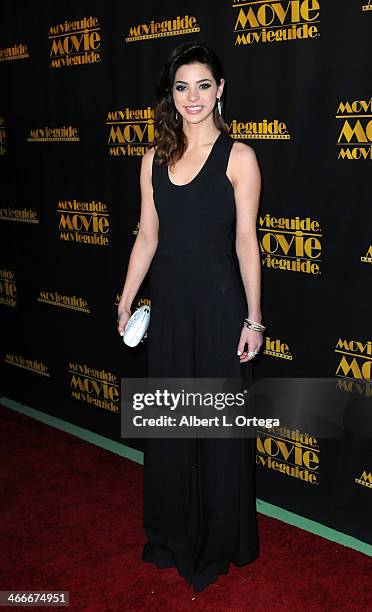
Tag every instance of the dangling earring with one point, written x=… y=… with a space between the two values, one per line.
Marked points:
x=219 y=105
x=176 y=116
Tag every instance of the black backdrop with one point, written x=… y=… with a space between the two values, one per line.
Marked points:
x=76 y=116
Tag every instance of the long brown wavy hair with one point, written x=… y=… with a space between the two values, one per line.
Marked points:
x=170 y=139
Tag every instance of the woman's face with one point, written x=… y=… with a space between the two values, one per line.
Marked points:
x=195 y=91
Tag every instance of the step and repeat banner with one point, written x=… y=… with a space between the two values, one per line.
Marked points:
x=76 y=116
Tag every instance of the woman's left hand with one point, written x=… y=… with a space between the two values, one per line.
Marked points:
x=253 y=339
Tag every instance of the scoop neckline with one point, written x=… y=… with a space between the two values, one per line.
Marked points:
x=201 y=169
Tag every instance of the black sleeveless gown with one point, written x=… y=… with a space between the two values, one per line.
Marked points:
x=199 y=508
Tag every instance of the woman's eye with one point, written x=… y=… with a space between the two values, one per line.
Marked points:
x=203 y=86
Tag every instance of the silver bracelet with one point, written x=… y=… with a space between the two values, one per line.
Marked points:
x=254 y=325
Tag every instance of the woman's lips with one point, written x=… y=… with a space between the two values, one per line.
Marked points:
x=193 y=110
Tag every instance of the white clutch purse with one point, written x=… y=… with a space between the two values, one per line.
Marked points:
x=136 y=328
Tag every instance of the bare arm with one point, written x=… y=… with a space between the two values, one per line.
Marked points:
x=246 y=180
x=247 y=187
x=145 y=245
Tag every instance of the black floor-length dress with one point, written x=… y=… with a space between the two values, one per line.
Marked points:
x=199 y=510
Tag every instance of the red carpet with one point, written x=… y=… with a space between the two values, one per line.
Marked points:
x=71 y=519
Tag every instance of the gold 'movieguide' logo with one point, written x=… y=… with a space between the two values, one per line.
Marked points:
x=277 y=21
x=355 y=138
x=356 y=360
x=289 y=452
x=67 y=133
x=32 y=365
x=21 y=215
x=8 y=288
x=131 y=130
x=75 y=43
x=365 y=479
x=290 y=244
x=276 y=348
x=98 y=388
x=259 y=130
x=18 y=51
x=166 y=27
x=72 y=302
x=84 y=222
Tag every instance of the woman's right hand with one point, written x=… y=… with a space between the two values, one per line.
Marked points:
x=123 y=318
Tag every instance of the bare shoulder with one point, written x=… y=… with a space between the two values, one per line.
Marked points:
x=146 y=163
x=242 y=162
x=242 y=154
x=148 y=156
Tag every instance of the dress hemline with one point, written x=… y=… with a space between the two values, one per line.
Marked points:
x=164 y=559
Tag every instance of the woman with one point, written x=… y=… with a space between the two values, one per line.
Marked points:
x=198 y=186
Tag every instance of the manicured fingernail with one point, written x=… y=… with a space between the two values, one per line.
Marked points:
x=122 y=333
x=239 y=352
